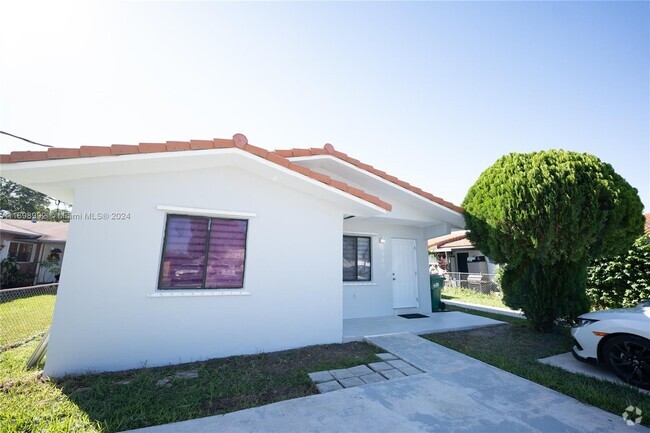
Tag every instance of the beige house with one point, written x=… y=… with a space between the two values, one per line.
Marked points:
x=31 y=242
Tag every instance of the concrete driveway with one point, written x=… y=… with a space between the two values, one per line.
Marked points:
x=455 y=394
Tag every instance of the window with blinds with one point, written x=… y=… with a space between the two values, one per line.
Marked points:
x=203 y=253
x=356 y=258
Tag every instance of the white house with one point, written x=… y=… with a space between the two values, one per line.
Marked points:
x=182 y=251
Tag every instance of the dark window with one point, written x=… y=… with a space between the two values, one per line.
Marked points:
x=203 y=253
x=356 y=258
x=21 y=251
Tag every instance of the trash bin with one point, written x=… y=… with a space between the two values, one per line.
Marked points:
x=436 y=282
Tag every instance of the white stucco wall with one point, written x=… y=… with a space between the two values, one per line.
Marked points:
x=376 y=298
x=106 y=319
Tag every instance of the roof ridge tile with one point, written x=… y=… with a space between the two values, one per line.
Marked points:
x=201 y=144
x=301 y=152
x=124 y=149
x=177 y=146
x=223 y=143
x=62 y=152
x=28 y=155
x=283 y=153
x=152 y=147
x=87 y=151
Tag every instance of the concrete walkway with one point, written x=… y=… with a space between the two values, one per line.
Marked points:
x=456 y=394
x=359 y=329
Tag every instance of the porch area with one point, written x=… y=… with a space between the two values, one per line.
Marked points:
x=358 y=329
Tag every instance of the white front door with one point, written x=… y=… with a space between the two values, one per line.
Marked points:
x=405 y=273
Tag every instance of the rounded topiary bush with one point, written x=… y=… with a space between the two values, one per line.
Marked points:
x=546 y=215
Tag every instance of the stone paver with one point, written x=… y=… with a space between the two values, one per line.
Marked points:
x=343 y=373
x=399 y=364
x=360 y=370
x=328 y=386
x=392 y=374
x=373 y=378
x=321 y=376
x=410 y=371
x=386 y=356
x=391 y=368
x=351 y=382
x=380 y=366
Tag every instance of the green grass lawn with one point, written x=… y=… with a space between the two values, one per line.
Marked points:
x=110 y=402
x=471 y=296
x=516 y=348
x=24 y=318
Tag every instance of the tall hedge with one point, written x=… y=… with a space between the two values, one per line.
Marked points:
x=622 y=281
x=545 y=215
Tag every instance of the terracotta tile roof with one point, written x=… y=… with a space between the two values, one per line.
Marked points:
x=460 y=243
x=442 y=241
x=238 y=141
x=646 y=228
x=328 y=149
x=41 y=230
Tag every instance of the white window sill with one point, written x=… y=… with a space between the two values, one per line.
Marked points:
x=350 y=283
x=196 y=293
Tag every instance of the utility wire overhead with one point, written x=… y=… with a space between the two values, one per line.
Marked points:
x=24 y=139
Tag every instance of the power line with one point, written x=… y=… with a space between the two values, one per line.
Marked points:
x=24 y=139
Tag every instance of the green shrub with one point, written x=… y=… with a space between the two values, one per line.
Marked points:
x=622 y=281
x=11 y=276
x=546 y=215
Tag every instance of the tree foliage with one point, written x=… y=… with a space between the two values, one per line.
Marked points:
x=15 y=198
x=622 y=281
x=546 y=215
x=20 y=202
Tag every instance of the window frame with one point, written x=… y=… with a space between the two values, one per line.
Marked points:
x=31 y=252
x=162 y=288
x=356 y=267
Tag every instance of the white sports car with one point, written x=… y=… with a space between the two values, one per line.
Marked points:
x=619 y=339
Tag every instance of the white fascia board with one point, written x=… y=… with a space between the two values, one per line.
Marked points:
x=373 y=176
x=44 y=175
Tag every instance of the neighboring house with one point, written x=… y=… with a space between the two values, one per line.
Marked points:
x=460 y=254
x=31 y=243
x=646 y=228
x=182 y=251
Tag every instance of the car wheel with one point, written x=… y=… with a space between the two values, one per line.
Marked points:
x=629 y=357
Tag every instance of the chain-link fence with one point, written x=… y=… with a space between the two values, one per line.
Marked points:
x=481 y=283
x=25 y=313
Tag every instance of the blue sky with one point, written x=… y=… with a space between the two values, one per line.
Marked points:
x=432 y=92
